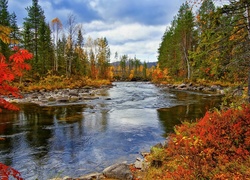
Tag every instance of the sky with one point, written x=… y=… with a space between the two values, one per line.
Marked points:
x=132 y=27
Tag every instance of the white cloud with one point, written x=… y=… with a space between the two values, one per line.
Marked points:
x=130 y=39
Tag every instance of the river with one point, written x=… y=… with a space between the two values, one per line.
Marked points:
x=129 y=118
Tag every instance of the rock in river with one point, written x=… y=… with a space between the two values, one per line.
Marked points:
x=118 y=171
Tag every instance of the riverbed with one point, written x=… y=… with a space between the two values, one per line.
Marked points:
x=71 y=140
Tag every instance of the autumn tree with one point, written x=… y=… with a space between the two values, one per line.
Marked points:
x=103 y=57
x=11 y=69
x=56 y=29
x=227 y=41
x=203 y=60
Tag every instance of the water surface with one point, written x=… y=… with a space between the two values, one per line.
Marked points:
x=61 y=140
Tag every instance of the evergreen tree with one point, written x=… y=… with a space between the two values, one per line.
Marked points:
x=103 y=57
x=61 y=55
x=31 y=25
x=45 y=49
x=123 y=63
x=176 y=43
x=15 y=32
x=185 y=32
x=4 y=21
x=204 y=24
x=145 y=67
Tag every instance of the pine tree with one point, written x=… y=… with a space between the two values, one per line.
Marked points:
x=204 y=24
x=61 y=55
x=103 y=57
x=176 y=43
x=45 y=49
x=185 y=31
x=31 y=25
x=15 y=34
x=4 y=21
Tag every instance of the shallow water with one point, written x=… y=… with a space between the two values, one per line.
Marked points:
x=61 y=140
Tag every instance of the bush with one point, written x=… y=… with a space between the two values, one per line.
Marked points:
x=6 y=172
x=216 y=147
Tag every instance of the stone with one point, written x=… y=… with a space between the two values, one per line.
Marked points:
x=138 y=163
x=73 y=99
x=73 y=92
x=182 y=86
x=92 y=176
x=118 y=171
x=51 y=99
x=165 y=143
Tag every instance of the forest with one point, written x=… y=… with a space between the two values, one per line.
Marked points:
x=211 y=44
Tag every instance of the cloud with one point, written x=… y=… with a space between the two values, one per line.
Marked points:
x=132 y=27
x=148 y=12
x=130 y=39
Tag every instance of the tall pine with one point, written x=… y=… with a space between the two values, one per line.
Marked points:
x=4 y=21
x=31 y=26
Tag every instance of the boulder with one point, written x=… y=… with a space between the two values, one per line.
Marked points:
x=181 y=86
x=118 y=171
x=138 y=163
x=73 y=92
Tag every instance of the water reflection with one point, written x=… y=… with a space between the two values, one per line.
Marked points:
x=45 y=142
x=192 y=106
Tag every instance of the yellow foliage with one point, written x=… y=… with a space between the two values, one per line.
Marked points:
x=131 y=75
x=5 y=35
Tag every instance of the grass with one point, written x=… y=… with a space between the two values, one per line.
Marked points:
x=53 y=82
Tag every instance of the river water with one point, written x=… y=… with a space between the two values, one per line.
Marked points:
x=129 y=118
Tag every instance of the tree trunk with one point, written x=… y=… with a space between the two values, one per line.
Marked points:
x=187 y=60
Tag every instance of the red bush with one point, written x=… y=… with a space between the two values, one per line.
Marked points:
x=216 y=147
x=7 y=171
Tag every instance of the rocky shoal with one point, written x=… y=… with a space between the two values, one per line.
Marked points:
x=44 y=97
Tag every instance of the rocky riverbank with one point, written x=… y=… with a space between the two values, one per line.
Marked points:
x=191 y=87
x=44 y=97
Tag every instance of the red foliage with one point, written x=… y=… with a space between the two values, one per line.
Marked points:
x=8 y=72
x=6 y=171
x=217 y=147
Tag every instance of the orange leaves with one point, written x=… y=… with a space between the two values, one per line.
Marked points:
x=160 y=75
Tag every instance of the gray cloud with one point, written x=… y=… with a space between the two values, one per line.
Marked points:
x=132 y=27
